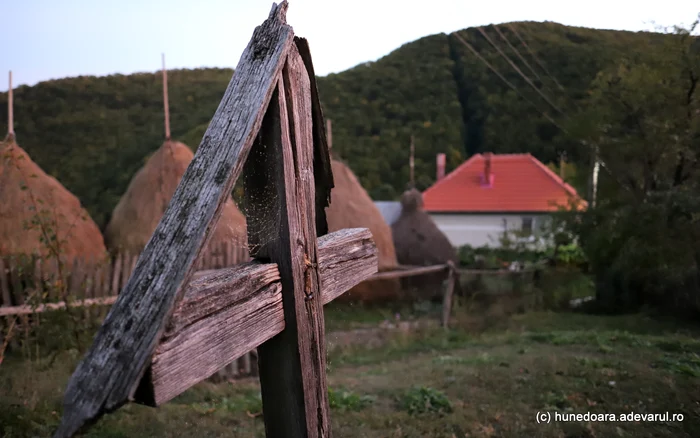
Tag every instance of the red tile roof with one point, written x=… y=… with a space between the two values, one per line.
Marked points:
x=520 y=183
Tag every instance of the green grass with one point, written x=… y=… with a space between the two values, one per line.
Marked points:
x=348 y=316
x=430 y=383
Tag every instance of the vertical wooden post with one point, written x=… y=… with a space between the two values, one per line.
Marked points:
x=165 y=100
x=411 y=164
x=5 y=284
x=329 y=134
x=10 y=115
x=292 y=365
x=447 y=299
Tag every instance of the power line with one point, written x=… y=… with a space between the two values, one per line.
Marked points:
x=522 y=58
x=527 y=64
x=469 y=46
x=537 y=60
x=597 y=161
x=517 y=69
x=544 y=85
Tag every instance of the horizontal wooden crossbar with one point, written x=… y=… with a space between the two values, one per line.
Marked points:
x=27 y=309
x=228 y=312
x=402 y=271
x=410 y=272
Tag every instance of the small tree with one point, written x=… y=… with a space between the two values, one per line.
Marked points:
x=643 y=237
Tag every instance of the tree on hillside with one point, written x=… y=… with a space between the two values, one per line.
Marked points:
x=643 y=237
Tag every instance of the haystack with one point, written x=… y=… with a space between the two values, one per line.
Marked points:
x=418 y=241
x=29 y=197
x=140 y=209
x=351 y=207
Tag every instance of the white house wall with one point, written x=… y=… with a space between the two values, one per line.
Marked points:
x=482 y=229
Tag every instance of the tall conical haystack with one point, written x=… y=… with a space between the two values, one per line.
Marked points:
x=418 y=241
x=140 y=209
x=28 y=197
x=351 y=207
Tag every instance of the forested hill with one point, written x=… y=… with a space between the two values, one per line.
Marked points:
x=93 y=133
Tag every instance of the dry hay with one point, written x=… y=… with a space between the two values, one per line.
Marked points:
x=140 y=209
x=419 y=242
x=352 y=207
x=34 y=206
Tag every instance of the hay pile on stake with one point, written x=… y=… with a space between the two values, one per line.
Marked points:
x=418 y=241
x=29 y=197
x=352 y=207
x=140 y=209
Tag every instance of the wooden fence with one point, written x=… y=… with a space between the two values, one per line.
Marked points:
x=31 y=285
x=32 y=279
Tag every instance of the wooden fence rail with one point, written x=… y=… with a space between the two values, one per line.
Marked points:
x=31 y=278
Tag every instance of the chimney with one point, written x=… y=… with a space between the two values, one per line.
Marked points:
x=440 y=166
x=488 y=175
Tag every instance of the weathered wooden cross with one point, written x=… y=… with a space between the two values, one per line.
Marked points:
x=171 y=328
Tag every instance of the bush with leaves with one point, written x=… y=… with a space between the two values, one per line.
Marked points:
x=642 y=239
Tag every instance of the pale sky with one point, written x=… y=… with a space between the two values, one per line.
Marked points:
x=50 y=39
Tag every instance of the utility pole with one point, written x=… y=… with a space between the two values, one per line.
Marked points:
x=596 y=172
x=411 y=164
x=593 y=180
x=562 y=165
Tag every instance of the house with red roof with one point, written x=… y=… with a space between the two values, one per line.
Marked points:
x=489 y=194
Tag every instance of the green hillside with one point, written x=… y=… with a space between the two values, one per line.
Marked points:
x=93 y=133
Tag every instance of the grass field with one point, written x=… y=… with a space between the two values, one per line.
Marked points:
x=430 y=383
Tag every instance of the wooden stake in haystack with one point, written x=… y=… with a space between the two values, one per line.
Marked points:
x=165 y=100
x=29 y=194
x=150 y=190
x=10 y=117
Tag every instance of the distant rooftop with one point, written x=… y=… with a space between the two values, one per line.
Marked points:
x=500 y=183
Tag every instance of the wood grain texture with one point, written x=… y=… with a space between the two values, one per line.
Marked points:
x=345 y=259
x=303 y=306
x=292 y=378
x=323 y=175
x=226 y=313
x=222 y=316
x=111 y=370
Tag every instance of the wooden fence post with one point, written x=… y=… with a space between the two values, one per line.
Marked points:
x=449 y=291
x=292 y=365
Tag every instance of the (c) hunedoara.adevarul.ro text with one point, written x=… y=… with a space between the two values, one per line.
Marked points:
x=548 y=417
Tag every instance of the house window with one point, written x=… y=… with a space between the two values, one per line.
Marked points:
x=527 y=226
